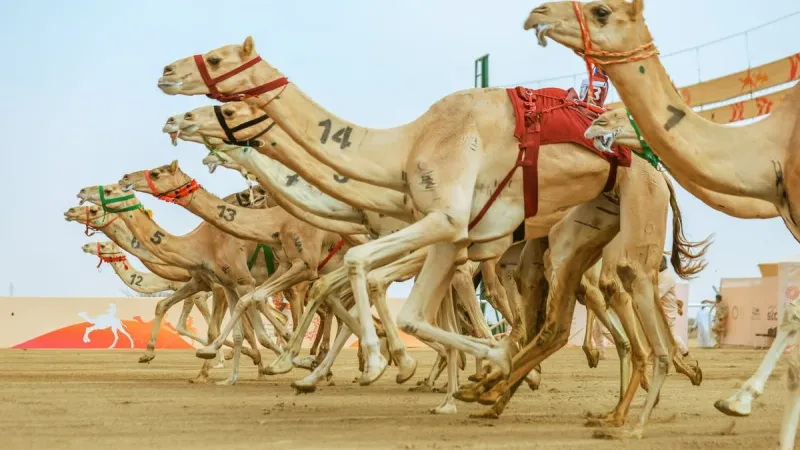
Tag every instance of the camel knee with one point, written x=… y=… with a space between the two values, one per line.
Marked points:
x=408 y=323
x=376 y=286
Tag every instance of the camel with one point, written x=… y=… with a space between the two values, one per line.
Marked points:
x=210 y=255
x=687 y=143
x=143 y=282
x=450 y=163
x=108 y=320
x=207 y=125
x=100 y=220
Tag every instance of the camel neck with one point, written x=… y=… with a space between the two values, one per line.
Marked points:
x=260 y=225
x=374 y=156
x=171 y=249
x=730 y=160
x=121 y=235
x=142 y=282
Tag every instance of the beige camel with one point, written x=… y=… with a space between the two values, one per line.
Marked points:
x=716 y=157
x=210 y=255
x=448 y=162
x=207 y=125
x=95 y=218
x=143 y=282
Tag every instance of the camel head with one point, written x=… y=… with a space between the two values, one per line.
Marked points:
x=234 y=123
x=221 y=73
x=107 y=248
x=83 y=214
x=612 y=127
x=221 y=158
x=613 y=25
x=166 y=178
x=255 y=197
x=110 y=197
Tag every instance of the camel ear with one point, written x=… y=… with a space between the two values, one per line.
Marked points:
x=248 y=47
x=174 y=166
x=636 y=9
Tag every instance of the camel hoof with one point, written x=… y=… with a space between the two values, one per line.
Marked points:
x=698 y=377
x=281 y=365
x=199 y=380
x=421 y=387
x=475 y=377
x=466 y=395
x=228 y=354
x=725 y=407
x=147 y=357
x=303 y=387
x=489 y=398
x=328 y=376
x=206 y=353
x=373 y=372
x=309 y=363
x=218 y=365
x=407 y=370
x=592 y=357
x=230 y=381
x=446 y=408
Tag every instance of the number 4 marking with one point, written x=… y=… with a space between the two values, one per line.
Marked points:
x=341 y=137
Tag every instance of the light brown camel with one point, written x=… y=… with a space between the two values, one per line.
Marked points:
x=208 y=125
x=716 y=157
x=448 y=161
x=210 y=255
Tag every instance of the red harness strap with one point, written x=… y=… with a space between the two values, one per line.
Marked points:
x=111 y=259
x=174 y=195
x=550 y=116
x=330 y=254
x=211 y=83
x=94 y=227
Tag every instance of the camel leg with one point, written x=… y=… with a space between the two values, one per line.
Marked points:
x=238 y=339
x=182 y=329
x=642 y=236
x=464 y=296
x=309 y=383
x=323 y=291
x=298 y=272
x=190 y=288
x=592 y=354
x=791 y=413
x=448 y=322
x=325 y=342
x=323 y=315
x=296 y=296
x=575 y=246
x=378 y=282
x=426 y=385
x=219 y=307
x=739 y=404
x=495 y=292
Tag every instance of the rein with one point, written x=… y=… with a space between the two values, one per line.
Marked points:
x=229 y=131
x=211 y=83
x=96 y=227
x=105 y=201
x=647 y=152
x=111 y=259
x=331 y=254
x=172 y=196
x=590 y=55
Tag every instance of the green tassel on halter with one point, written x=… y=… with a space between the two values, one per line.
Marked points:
x=646 y=153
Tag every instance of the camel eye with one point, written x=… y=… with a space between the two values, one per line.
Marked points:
x=601 y=122
x=601 y=13
x=214 y=60
x=154 y=174
x=228 y=113
x=107 y=191
x=188 y=116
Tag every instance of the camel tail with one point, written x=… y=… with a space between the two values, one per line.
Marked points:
x=687 y=256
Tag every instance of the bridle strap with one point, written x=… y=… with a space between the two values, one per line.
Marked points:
x=330 y=254
x=173 y=195
x=647 y=153
x=211 y=83
x=96 y=227
x=104 y=201
x=229 y=132
x=111 y=259
x=590 y=55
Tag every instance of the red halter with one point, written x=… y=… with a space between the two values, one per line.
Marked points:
x=174 y=195
x=111 y=259
x=211 y=83
x=637 y=54
x=94 y=227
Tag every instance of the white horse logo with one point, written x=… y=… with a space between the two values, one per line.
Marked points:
x=107 y=320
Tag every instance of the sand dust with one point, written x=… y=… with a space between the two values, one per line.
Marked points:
x=106 y=400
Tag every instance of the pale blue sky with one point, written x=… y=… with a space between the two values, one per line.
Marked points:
x=82 y=107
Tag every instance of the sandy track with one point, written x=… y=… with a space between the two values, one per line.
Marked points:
x=106 y=400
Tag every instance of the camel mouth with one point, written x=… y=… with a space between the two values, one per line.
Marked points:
x=173 y=136
x=212 y=166
x=81 y=199
x=541 y=33
x=603 y=142
x=126 y=187
x=171 y=86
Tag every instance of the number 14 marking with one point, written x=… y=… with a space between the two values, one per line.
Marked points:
x=342 y=137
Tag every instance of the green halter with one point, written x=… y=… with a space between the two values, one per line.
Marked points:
x=104 y=201
x=269 y=258
x=647 y=153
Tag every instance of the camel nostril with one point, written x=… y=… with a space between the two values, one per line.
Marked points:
x=171 y=120
x=189 y=116
x=168 y=70
x=541 y=10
